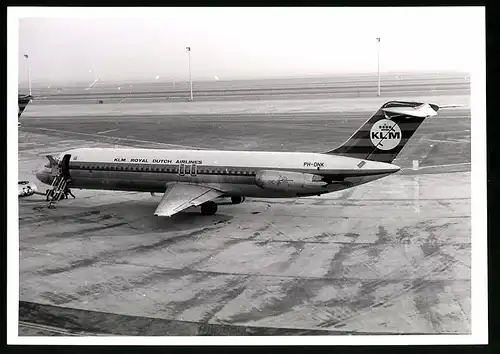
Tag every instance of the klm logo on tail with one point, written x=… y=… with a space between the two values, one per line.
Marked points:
x=385 y=134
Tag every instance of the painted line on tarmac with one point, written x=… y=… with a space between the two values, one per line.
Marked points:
x=448 y=165
x=424 y=168
x=449 y=141
x=107 y=131
x=117 y=138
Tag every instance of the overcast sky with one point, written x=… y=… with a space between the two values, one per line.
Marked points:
x=245 y=43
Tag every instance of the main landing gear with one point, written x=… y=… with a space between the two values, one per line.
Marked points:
x=209 y=208
x=237 y=200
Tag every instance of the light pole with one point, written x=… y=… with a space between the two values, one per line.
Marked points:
x=378 y=65
x=29 y=73
x=190 y=81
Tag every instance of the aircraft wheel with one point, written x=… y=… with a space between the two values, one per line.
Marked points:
x=209 y=208
x=237 y=200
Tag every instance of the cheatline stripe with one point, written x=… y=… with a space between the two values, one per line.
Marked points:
x=207 y=169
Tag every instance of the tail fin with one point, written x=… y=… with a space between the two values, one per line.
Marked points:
x=384 y=134
x=23 y=101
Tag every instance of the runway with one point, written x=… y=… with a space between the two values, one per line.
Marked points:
x=392 y=256
x=249 y=90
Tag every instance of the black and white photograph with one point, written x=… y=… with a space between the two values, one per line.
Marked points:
x=219 y=175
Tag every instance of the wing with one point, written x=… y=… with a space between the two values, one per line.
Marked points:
x=180 y=196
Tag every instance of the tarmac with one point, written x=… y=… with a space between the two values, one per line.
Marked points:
x=391 y=256
x=339 y=86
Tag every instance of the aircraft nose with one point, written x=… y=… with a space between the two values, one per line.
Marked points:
x=43 y=175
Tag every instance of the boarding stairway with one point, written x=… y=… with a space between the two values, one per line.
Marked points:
x=59 y=188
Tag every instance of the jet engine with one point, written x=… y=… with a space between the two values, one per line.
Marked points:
x=283 y=180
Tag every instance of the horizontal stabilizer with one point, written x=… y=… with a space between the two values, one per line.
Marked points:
x=423 y=111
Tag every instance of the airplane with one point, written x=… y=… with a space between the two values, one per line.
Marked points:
x=25 y=188
x=22 y=101
x=192 y=178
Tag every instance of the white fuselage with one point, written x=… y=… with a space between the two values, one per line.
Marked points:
x=233 y=172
